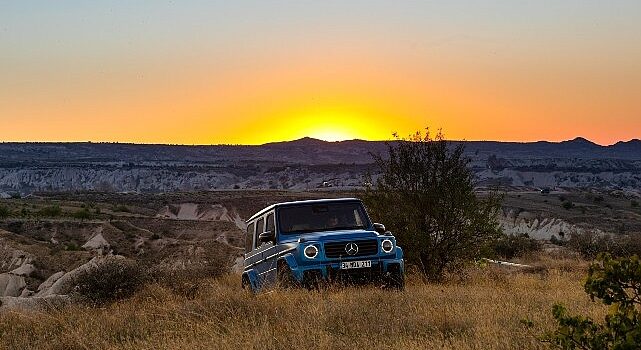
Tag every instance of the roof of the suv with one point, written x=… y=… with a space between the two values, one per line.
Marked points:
x=310 y=201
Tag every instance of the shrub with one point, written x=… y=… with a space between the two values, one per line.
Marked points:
x=24 y=212
x=82 y=214
x=567 y=205
x=4 y=212
x=511 y=246
x=556 y=241
x=50 y=211
x=425 y=195
x=109 y=280
x=591 y=244
x=16 y=227
x=634 y=203
x=598 y=199
x=122 y=208
x=73 y=247
x=617 y=283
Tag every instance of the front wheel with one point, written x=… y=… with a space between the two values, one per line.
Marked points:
x=246 y=284
x=395 y=280
x=286 y=278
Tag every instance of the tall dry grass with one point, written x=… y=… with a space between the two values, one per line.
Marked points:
x=480 y=309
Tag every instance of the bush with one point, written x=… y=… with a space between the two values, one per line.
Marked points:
x=122 y=208
x=591 y=244
x=567 y=205
x=511 y=246
x=4 y=212
x=425 y=195
x=557 y=241
x=50 y=211
x=617 y=283
x=634 y=203
x=109 y=280
x=82 y=214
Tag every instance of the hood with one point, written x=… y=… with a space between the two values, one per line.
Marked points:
x=325 y=236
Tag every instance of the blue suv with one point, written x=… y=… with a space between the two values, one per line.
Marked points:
x=302 y=243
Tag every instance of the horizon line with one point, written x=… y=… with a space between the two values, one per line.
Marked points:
x=578 y=138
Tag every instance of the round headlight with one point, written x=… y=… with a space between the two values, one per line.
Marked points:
x=310 y=251
x=387 y=246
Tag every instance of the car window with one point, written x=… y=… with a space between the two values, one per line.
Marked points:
x=249 y=238
x=322 y=217
x=260 y=228
x=270 y=222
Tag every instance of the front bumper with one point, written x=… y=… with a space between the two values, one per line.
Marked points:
x=329 y=271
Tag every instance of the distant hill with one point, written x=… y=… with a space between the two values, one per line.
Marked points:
x=299 y=164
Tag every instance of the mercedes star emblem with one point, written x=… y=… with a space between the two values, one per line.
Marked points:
x=351 y=248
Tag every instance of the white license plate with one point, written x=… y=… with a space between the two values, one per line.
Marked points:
x=356 y=264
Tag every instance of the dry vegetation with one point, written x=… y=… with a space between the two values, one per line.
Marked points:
x=480 y=309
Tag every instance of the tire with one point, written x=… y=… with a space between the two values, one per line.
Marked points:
x=396 y=281
x=246 y=284
x=286 y=278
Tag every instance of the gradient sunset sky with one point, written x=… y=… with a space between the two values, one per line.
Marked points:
x=209 y=72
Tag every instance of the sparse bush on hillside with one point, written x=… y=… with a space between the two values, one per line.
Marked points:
x=4 y=212
x=511 y=246
x=82 y=214
x=557 y=241
x=425 y=195
x=617 y=283
x=634 y=203
x=186 y=280
x=122 y=209
x=15 y=227
x=50 y=211
x=567 y=205
x=591 y=244
x=109 y=280
x=73 y=247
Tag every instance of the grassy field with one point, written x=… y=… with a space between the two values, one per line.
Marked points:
x=478 y=309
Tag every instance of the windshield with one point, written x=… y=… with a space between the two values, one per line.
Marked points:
x=322 y=217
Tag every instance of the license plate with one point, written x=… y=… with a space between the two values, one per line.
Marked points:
x=356 y=264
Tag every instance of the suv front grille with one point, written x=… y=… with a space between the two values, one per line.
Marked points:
x=337 y=249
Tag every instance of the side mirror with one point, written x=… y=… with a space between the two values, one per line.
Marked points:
x=267 y=236
x=379 y=228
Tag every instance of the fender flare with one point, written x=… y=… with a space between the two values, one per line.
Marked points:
x=289 y=260
x=252 y=275
x=399 y=252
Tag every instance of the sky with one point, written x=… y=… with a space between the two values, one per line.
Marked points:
x=257 y=71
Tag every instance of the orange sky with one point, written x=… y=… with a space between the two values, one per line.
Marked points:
x=209 y=74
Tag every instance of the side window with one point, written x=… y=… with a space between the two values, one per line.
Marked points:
x=260 y=228
x=270 y=223
x=249 y=238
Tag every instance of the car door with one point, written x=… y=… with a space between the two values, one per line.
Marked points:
x=270 y=253
x=261 y=266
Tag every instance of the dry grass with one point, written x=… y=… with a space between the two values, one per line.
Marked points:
x=480 y=309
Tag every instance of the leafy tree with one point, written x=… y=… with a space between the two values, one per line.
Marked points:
x=617 y=283
x=425 y=195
